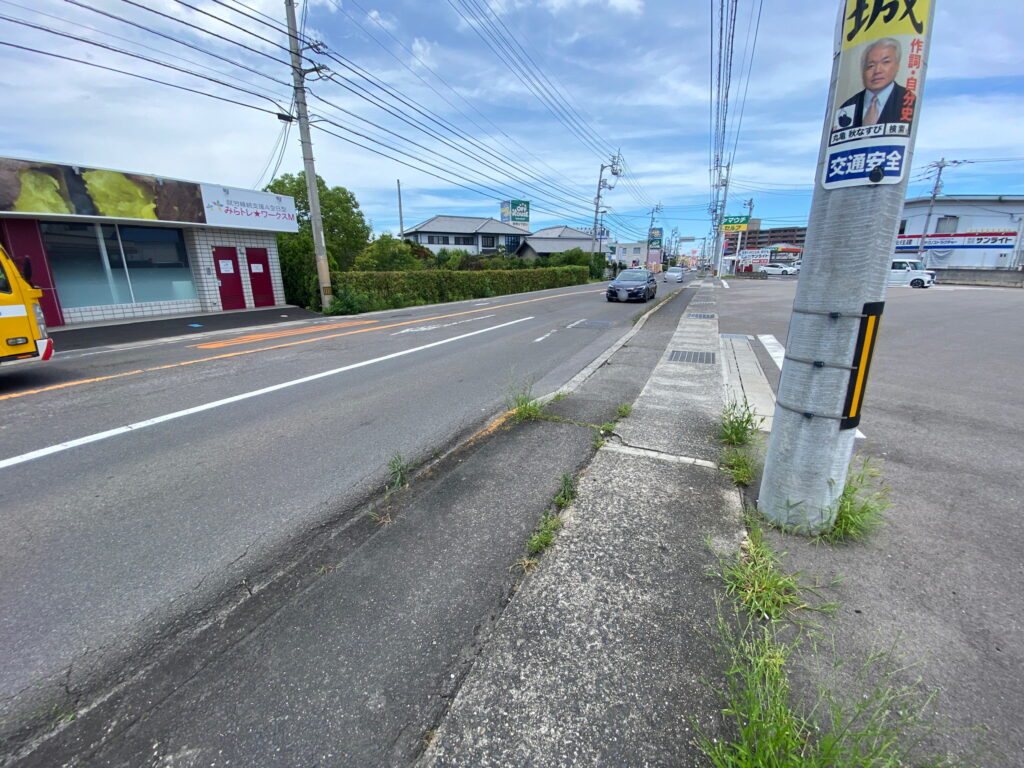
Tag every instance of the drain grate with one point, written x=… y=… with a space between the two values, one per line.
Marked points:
x=695 y=303
x=691 y=356
x=700 y=316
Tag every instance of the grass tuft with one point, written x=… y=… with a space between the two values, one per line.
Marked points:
x=523 y=405
x=755 y=580
x=400 y=471
x=860 y=507
x=739 y=465
x=739 y=423
x=869 y=718
x=544 y=535
x=566 y=492
x=624 y=410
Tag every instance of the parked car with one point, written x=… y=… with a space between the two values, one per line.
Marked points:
x=910 y=272
x=637 y=284
x=674 y=273
x=778 y=269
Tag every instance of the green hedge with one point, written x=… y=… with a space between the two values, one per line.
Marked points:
x=356 y=292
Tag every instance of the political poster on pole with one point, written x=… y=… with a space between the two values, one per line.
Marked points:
x=878 y=94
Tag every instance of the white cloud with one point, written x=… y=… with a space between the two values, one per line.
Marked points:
x=387 y=22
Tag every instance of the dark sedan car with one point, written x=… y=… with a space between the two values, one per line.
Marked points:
x=639 y=284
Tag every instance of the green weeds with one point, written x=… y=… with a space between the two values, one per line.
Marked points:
x=566 y=492
x=624 y=410
x=860 y=507
x=542 y=538
x=739 y=465
x=739 y=423
x=756 y=581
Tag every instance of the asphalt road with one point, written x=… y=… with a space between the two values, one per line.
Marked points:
x=944 y=415
x=142 y=483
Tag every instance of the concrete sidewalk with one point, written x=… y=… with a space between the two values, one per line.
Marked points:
x=604 y=656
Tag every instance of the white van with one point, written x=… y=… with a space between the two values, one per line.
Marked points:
x=910 y=272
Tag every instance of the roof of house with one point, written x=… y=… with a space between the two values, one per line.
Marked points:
x=968 y=199
x=559 y=244
x=561 y=231
x=465 y=225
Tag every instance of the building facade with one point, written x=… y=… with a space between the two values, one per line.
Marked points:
x=756 y=238
x=469 y=233
x=109 y=245
x=964 y=231
x=552 y=240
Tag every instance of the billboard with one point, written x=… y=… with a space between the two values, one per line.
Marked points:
x=734 y=224
x=516 y=213
x=877 y=95
x=36 y=188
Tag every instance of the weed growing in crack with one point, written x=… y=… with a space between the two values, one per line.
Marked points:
x=739 y=465
x=566 y=492
x=545 y=534
x=739 y=423
x=860 y=507
x=523 y=405
x=624 y=410
x=399 y=471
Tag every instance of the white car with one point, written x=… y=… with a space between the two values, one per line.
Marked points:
x=910 y=272
x=674 y=273
x=778 y=269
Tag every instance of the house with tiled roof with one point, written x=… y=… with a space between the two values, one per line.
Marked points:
x=470 y=233
x=551 y=240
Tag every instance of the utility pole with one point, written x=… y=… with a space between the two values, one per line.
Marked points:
x=315 y=218
x=931 y=205
x=616 y=169
x=741 y=238
x=647 y=251
x=401 y=221
x=861 y=181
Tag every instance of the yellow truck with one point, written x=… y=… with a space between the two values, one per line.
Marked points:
x=23 y=333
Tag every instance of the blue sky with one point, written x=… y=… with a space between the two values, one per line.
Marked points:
x=629 y=74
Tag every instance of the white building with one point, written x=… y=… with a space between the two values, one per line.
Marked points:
x=964 y=231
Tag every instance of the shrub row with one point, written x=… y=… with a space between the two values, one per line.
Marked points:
x=356 y=292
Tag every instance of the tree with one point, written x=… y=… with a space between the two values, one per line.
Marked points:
x=388 y=254
x=346 y=234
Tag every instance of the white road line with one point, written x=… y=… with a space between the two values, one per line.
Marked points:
x=421 y=328
x=236 y=398
x=543 y=337
x=573 y=325
x=778 y=355
x=774 y=348
x=725 y=284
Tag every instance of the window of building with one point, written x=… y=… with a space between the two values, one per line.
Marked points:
x=903 y=226
x=437 y=239
x=512 y=242
x=946 y=225
x=636 y=250
x=101 y=264
x=464 y=240
x=487 y=241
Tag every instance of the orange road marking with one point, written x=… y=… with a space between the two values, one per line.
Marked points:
x=79 y=382
x=279 y=334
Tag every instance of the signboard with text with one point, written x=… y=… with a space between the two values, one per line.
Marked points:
x=963 y=240
x=516 y=213
x=734 y=224
x=881 y=63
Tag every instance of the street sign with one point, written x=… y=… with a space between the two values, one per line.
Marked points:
x=734 y=224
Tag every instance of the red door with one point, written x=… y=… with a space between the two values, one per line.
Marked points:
x=259 y=277
x=231 y=295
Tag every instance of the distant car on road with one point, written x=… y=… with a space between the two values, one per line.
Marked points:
x=778 y=269
x=674 y=273
x=639 y=284
x=910 y=272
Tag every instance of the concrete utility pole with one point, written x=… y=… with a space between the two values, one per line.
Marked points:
x=616 y=168
x=315 y=218
x=401 y=221
x=941 y=165
x=741 y=238
x=855 y=212
x=647 y=251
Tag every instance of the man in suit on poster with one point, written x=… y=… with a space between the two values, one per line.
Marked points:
x=883 y=100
